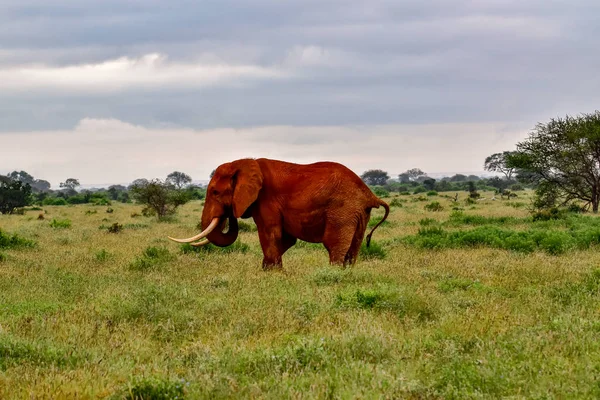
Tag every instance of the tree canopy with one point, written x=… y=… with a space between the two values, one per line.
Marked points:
x=12 y=195
x=179 y=179
x=375 y=177
x=497 y=162
x=563 y=156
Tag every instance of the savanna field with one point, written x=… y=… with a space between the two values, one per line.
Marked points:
x=452 y=300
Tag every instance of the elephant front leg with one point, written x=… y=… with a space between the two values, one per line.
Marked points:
x=272 y=247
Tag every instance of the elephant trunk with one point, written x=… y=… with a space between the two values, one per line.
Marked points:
x=217 y=237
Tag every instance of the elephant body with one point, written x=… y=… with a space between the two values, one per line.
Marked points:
x=323 y=202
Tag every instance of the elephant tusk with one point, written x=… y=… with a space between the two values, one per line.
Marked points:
x=201 y=235
x=200 y=243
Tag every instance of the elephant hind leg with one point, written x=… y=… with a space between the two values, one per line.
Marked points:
x=357 y=239
x=338 y=241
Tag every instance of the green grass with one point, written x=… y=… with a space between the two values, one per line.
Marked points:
x=504 y=307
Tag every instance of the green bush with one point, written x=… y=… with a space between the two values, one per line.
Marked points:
x=54 y=201
x=548 y=214
x=380 y=191
x=152 y=258
x=60 y=223
x=397 y=203
x=374 y=251
x=434 y=206
x=386 y=299
x=2 y=257
x=432 y=193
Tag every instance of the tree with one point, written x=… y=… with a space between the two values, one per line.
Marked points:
x=179 y=179
x=21 y=176
x=12 y=195
x=563 y=155
x=497 y=163
x=40 y=186
x=458 y=178
x=160 y=198
x=70 y=184
x=114 y=191
x=375 y=177
x=429 y=184
x=413 y=175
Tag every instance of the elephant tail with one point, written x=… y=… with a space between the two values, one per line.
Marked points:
x=387 y=212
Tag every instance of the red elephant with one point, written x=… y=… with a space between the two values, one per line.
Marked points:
x=323 y=202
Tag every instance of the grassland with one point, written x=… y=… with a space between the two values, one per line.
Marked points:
x=448 y=304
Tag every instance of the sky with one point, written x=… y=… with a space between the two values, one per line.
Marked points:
x=111 y=91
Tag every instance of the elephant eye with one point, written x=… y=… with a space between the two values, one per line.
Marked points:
x=215 y=192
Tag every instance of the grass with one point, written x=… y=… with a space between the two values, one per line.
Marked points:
x=504 y=307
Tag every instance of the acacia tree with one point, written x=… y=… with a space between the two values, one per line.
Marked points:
x=375 y=177
x=497 y=163
x=179 y=179
x=161 y=198
x=412 y=175
x=564 y=157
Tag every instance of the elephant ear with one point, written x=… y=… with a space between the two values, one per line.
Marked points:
x=248 y=181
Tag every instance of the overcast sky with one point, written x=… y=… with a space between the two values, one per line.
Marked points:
x=114 y=90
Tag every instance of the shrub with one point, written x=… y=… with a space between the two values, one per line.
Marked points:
x=90 y=212
x=432 y=193
x=434 y=206
x=135 y=215
x=374 y=251
x=380 y=192
x=152 y=258
x=41 y=216
x=161 y=198
x=109 y=210
x=397 y=203
x=54 y=201
x=60 y=223
x=115 y=228
x=2 y=257
x=548 y=214
x=102 y=255
x=386 y=299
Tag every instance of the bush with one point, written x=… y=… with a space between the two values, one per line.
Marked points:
x=152 y=258
x=109 y=210
x=41 y=216
x=432 y=193
x=161 y=199
x=54 y=201
x=374 y=251
x=60 y=223
x=434 y=206
x=397 y=203
x=115 y=228
x=8 y=241
x=3 y=257
x=380 y=192
x=548 y=214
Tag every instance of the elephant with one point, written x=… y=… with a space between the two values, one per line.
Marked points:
x=323 y=202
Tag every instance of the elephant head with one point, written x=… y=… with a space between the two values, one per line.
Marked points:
x=231 y=191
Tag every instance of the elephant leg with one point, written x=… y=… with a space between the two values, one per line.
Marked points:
x=359 y=235
x=337 y=240
x=272 y=246
x=287 y=241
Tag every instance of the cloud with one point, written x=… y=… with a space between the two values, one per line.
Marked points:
x=150 y=71
x=101 y=151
